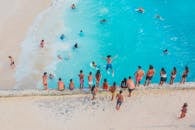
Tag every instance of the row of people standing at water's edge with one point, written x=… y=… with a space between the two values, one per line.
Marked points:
x=150 y=73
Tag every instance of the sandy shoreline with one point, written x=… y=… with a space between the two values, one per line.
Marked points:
x=15 y=24
x=152 y=110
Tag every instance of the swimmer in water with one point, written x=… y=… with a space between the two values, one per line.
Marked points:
x=159 y=17
x=51 y=76
x=97 y=67
x=62 y=36
x=103 y=21
x=73 y=6
x=81 y=33
x=165 y=51
x=109 y=60
x=140 y=10
x=75 y=46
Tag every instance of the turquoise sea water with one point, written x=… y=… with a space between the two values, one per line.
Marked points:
x=137 y=39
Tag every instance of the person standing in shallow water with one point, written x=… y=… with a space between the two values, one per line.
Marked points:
x=173 y=75
x=163 y=76
x=44 y=78
x=149 y=75
x=81 y=79
x=90 y=79
x=71 y=85
x=138 y=75
x=105 y=85
x=98 y=78
x=61 y=85
x=184 y=75
x=130 y=85
x=94 y=91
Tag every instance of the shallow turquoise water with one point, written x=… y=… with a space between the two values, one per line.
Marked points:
x=137 y=39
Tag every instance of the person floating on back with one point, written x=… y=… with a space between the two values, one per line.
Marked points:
x=183 y=111
x=139 y=75
x=12 y=64
x=184 y=75
x=44 y=80
x=149 y=75
x=120 y=100
x=61 y=85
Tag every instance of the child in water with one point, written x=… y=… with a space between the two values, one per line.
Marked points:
x=183 y=111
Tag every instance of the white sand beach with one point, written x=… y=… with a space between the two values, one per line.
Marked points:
x=16 y=18
x=147 y=109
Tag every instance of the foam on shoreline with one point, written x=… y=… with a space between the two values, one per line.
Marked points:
x=34 y=61
x=55 y=92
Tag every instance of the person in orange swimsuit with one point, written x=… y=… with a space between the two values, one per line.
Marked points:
x=183 y=111
x=105 y=85
x=12 y=64
x=81 y=78
x=71 y=85
x=61 y=85
x=44 y=78
x=149 y=75
x=120 y=100
x=112 y=89
x=138 y=75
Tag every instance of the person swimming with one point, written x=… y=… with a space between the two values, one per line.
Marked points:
x=103 y=21
x=159 y=17
x=140 y=10
x=165 y=51
x=94 y=65
x=75 y=46
x=51 y=76
x=81 y=33
x=62 y=36
x=73 y=6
